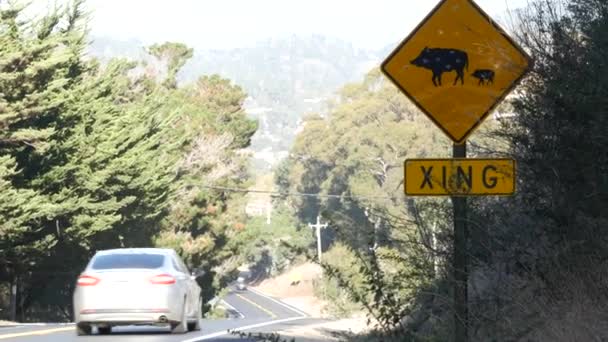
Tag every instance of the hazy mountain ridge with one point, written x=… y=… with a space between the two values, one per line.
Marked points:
x=284 y=77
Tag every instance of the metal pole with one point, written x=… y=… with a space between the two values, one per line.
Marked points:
x=434 y=245
x=268 y=210
x=319 y=238
x=318 y=227
x=461 y=314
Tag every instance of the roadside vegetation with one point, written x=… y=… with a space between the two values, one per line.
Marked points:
x=536 y=260
x=217 y=312
x=270 y=248
x=99 y=156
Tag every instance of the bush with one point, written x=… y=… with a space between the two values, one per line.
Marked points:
x=271 y=248
x=217 y=312
x=341 y=303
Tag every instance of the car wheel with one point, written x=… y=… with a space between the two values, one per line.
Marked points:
x=181 y=327
x=83 y=329
x=104 y=330
x=196 y=325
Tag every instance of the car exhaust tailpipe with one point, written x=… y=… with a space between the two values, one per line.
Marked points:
x=163 y=319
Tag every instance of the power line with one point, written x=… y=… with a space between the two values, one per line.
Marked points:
x=298 y=194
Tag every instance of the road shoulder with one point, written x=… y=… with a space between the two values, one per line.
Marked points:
x=327 y=330
x=324 y=331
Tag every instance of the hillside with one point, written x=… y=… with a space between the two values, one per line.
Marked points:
x=284 y=78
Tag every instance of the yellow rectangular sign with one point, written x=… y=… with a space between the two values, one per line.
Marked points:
x=459 y=177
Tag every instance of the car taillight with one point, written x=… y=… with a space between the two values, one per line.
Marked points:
x=162 y=279
x=87 y=280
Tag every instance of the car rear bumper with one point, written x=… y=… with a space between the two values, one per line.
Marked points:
x=126 y=317
x=163 y=305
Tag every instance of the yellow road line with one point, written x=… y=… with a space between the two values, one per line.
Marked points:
x=35 y=332
x=272 y=315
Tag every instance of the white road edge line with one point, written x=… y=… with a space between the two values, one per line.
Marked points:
x=279 y=302
x=18 y=326
x=34 y=325
x=11 y=327
x=247 y=327
x=225 y=303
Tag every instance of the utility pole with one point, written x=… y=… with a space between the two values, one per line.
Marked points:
x=318 y=227
x=268 y=211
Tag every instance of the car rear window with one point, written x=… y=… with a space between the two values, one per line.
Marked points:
x=128 y=260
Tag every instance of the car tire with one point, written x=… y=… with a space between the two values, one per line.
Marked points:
x=196 y=325
x=83 y=329
x=104 y=330
x=181 y=327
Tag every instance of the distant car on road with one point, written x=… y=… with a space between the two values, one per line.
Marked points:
x=137 y=286
x=240 y=284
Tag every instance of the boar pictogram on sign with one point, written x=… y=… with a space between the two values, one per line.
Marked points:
x=485 y=76
x=456 y=66
x=440 y=60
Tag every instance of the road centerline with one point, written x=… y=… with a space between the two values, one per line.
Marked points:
x=290 y=307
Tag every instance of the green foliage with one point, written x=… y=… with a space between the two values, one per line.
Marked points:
x=96 y=157
x=560 y=129
x=217 y=312
x=535 y=258
x=382 y=282
x=219 y=96
x=270 y=248
x=40 y=67
x=341 y=303
x=174 y=56
x=358 y=152
x=284 y=77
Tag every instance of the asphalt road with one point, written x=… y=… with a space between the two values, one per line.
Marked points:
x=254 y=312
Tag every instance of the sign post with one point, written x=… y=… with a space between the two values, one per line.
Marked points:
x=460 y=262
x=456 y=66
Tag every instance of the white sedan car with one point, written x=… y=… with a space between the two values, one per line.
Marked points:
x=137 y=286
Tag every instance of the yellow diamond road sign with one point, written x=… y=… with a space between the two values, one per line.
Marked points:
x=456 y=66
x=459 y=177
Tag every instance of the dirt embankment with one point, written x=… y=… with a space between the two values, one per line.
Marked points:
x=296 y=288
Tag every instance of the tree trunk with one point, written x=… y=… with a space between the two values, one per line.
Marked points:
x=13 y=300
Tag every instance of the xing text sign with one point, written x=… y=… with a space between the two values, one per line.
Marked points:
x=459 y=177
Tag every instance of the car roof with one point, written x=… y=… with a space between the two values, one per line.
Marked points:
x=164 y=251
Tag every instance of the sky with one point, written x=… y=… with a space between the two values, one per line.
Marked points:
x=221 y=24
